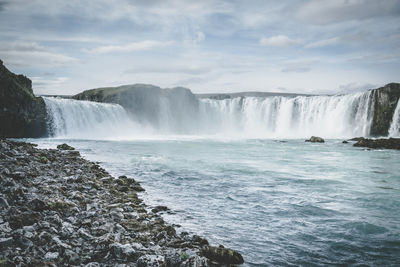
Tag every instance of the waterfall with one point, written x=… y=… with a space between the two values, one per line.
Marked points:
x=292 y=117
x=69 y=118
x=338 y=116
x=394 y=130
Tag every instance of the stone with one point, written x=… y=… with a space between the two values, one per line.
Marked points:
x=24 y=219
x=65 y=147
x=125 y=251
x=316 y=139
x=37 y=205
x=150 y=261
x=3 y=202
x=6 y=242
x=222 y=255
x=386 y=143
x=50 y=256
x=157 y=209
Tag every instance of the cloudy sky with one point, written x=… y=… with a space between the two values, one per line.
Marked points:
x=314 y=46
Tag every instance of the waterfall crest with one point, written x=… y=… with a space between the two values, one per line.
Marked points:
x=338 y=116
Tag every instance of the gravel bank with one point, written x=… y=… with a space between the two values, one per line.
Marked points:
x=58 y=209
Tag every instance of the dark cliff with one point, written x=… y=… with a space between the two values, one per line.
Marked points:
x=21 y=113
x=385 y=102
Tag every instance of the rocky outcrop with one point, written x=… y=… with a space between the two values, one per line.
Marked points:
x=21 y=113
x=385 y=102
x=315 y=139
x=150 y=104
x=390 y=143
x=58 y=209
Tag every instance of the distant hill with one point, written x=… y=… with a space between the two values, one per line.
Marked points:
x=220 y=96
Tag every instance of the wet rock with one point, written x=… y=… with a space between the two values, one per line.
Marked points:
x=65 y=147
x=390 y=143
x=345 y=142
x=125 y=251
x=50 y=256
x=150 y=261
x=37 y=205
x=222 y=255
x=24 y=218
x=159 y=208
x=18 y=175
x=316 y=139
x=70 y=256
x=6 y=242
x=3 y=202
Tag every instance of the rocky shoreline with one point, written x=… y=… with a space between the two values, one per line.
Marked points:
x=58 y=209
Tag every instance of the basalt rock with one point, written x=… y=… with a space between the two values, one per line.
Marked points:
x=65 y=147
x=390 y=143
x=21 y=113
x=316 y=139
x=222 y=255
x=385 y=102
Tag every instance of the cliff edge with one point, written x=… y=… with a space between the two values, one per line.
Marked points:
x=385 y=102
x=21 y=113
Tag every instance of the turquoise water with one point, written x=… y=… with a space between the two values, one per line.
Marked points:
x=279 y=203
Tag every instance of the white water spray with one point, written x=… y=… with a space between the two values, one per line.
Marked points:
x=338 y=116
x=394 y=130
x=70 y=118
x=296 y=117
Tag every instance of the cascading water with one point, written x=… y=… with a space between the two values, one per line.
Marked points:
x=69 y=118
x=292 y=117
x=394 y=130
x=248 y=117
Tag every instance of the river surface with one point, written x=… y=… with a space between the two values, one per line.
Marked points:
x=278 y=202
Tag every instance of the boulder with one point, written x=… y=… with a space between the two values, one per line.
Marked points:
x=315 y=139
x=21 y=113
x=65 y=147
x=159 y=208
x=222 y=255
x=390 y=143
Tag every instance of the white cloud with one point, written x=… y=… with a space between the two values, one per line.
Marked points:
x=334 y=11
x=31 y=54
x=323 y=43
x=131 y=47
x=43 y=85
x=279 y=41
x=200 y=37
x=300 y=66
